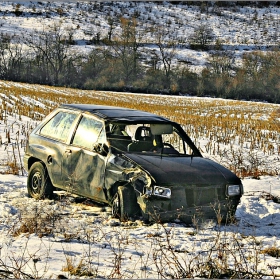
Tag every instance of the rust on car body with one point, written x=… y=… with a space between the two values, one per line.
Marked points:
x=141 y=164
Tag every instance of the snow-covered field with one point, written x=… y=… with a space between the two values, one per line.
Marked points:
x=77 y=238
x=88 y=234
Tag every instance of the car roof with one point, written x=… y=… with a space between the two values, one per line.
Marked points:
x=113 y=113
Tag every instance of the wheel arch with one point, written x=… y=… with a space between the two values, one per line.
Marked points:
x=124 y=204
x=114 y=189
x=32 y=160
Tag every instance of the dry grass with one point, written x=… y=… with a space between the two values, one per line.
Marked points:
x=272 y=251
x=232 y=131
x=80 y=269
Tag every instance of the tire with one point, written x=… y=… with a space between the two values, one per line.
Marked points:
x=39 y=185
x=125 y=204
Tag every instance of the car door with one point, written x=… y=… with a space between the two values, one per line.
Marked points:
x=83 y=165
x=54 y=139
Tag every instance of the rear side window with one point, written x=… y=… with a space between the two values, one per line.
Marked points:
x=89 y=133
x=59 y=126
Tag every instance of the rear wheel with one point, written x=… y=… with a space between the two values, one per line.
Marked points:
x=39 y=185
x=125 y=204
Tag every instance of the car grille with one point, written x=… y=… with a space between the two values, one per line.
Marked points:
x=197 y=196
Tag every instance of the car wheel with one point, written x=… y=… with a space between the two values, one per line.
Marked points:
x=39 y=185
x=124 y=204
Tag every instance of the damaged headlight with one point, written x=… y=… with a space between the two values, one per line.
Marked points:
x=233 y=190
x=160 y=191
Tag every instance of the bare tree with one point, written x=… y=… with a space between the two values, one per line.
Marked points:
x=125 y=48
x=96 y=62
x=221 y=63
x=201 y=37
x=111 y=23
x=5 y=42
x=11 y=58
x=51 y=53
x=167 y=53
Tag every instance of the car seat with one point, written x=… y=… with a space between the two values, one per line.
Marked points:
x=143 y=140
x=118 y=138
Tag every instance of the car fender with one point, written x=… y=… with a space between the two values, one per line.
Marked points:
x=121 y=170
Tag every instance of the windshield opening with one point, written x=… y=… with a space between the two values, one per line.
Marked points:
x=155 y=139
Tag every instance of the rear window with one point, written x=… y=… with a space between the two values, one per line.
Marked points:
x=59 y=126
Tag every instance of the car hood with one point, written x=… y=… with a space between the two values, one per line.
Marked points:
x=184 y=170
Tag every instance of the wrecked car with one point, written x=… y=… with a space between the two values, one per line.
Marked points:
x=141 y=164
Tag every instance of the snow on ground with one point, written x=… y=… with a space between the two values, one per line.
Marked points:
x=88 y=233
x=68 y=235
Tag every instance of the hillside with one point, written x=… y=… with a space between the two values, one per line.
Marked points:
x=154 y=47
x=237 y=27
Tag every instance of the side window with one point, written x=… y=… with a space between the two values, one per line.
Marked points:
x=88 y=133
x=59 y=126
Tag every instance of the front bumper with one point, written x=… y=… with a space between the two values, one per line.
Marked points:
x=160 y=210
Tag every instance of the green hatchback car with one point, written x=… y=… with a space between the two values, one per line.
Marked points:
x=143 y=165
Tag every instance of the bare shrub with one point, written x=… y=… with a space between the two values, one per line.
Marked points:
x=77 y=269
x=272 y=251
x=15 y=264
x=37 y=218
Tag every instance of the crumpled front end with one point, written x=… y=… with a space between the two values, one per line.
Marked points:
x=190 y=205
x=122 y=171
x=167 y=189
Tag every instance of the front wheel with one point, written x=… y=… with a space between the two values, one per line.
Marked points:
x=39 y=185
x=125 y=204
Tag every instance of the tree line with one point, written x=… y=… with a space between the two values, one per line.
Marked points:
x=117 y=63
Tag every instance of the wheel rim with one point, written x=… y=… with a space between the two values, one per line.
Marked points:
x=36 y=183
x=116 y=207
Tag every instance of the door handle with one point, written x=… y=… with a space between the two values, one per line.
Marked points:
x=68 y=151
